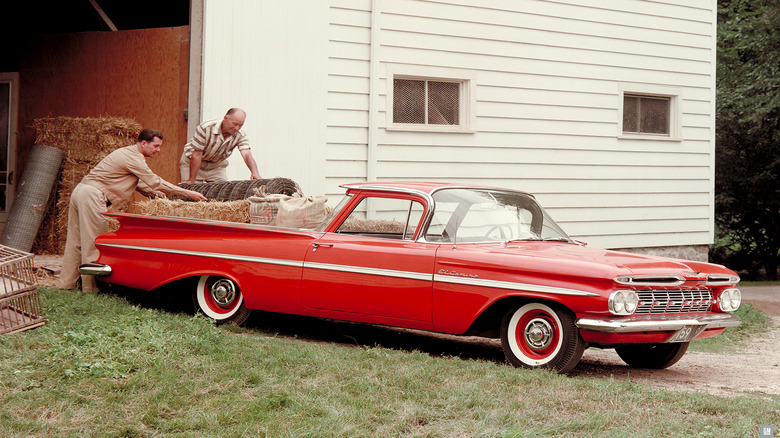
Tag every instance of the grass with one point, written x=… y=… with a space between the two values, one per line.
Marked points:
x=759 y=283
x=105 y=366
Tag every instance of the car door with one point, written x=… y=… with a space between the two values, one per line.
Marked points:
x=371 y=264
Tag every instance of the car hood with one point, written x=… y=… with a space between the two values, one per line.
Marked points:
x=566 y=258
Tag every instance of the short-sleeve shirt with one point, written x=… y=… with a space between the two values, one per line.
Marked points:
x=121 y=173
x=216 y=148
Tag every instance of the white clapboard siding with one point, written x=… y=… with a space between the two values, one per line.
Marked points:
x=313 y=77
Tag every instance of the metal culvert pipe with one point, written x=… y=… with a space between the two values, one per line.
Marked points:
x=32 y=197
x=236 y=190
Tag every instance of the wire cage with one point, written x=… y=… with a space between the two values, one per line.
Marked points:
x=19 y=305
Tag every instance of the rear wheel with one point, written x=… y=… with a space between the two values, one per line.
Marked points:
x=220 y=299
x=538 y=335
x=655 y=356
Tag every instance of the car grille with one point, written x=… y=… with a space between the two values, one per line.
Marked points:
x=673 y=300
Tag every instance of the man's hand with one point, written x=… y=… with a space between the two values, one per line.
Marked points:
x=195 y=196
x=189 y=181
x=255 y=176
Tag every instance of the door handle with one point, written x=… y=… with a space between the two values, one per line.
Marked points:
x=324 y=245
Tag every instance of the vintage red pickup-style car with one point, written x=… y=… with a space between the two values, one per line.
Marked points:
x=456 y=259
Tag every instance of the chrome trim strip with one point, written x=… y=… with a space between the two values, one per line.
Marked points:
x=381 y=188
x=371 y=271
x=421 y=276
x=655 y=324
x=513 y=286
x=650 y=280
x=215 y=255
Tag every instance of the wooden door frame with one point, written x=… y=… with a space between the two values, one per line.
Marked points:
x=11 y=78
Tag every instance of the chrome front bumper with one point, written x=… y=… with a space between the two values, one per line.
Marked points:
x=656 y=323
x=96 y=269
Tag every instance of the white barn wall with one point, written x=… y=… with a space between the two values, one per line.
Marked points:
x=548 y=76
x=270 y=58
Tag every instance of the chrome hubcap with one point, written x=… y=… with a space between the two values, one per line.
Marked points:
x=223 y=291
x=538 y=334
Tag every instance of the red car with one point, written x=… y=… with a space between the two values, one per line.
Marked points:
x=465 y=260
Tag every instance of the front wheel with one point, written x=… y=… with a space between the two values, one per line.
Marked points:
x=538 y=335
x=655 y=356
x=220 y=299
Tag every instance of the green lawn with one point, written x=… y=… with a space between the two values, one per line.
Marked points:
x=104 y=366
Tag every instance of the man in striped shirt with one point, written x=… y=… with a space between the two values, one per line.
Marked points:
x=205 y=157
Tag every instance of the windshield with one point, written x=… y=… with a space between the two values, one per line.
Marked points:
x=484 y=215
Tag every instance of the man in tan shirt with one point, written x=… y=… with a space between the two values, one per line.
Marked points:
x=111 y=182
x=205 y=156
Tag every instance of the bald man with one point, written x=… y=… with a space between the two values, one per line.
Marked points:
x=205 y=157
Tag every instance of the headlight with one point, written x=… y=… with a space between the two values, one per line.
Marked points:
x=729 y=300
x=623 y=302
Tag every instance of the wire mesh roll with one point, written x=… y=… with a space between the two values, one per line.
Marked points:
x=235 y=190
x=32 y=197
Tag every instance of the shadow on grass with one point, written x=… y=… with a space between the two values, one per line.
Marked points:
x=179 y=300
x=367 y=336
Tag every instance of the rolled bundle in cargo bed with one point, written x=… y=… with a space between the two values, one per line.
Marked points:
x=234 y=190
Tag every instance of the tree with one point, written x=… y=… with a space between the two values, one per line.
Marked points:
x=747 y=175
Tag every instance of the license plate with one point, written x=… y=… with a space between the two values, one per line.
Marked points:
x=686 y=334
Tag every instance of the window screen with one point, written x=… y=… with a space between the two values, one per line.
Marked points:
x=427 y=102
x=646 y=114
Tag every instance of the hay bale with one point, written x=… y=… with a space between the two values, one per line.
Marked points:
x=228 y=211
x=85 y=141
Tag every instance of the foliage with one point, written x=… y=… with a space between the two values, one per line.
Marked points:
x=102 y=366
x=747 y=185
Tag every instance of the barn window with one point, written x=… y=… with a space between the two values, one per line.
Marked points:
x=426 y=102
x=430 y=99
x=646 y=114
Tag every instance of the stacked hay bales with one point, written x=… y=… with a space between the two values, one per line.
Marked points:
x=85 y=141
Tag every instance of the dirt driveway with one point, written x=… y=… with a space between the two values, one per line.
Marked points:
x=753 y=370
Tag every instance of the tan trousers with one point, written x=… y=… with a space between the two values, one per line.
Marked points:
x=208 y=172
x=85 y=223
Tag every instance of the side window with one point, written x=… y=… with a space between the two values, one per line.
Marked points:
x=387 y=218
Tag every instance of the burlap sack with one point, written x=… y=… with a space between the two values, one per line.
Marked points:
x=288 y=211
